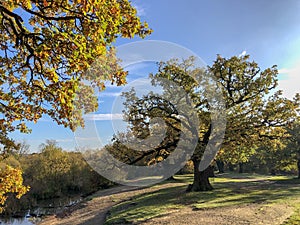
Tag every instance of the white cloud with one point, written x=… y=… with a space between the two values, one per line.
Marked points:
x=102 y=117
x=285 y=71
x=243 y=53
x=290 y=84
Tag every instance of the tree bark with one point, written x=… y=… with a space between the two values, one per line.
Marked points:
x=241 y=168
x=298 y=165
x=220 y=165
x=273 y=170
x=201 y=179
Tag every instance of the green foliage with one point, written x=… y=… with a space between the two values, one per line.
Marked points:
x=293 y=144
x=273 y=155
x=254 y=116
x=50 y=168
x=257 y=121
x=53 y=173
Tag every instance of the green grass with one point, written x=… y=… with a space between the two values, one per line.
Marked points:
x=230 y=190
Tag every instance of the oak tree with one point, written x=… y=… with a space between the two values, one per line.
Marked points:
x=253 y=113
x=47 y=48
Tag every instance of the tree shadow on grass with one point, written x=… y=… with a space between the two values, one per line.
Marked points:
x=227 y=193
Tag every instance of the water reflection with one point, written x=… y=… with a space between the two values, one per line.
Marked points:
x=17 y=221
x=46 y=207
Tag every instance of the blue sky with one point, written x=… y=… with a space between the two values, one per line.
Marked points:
x=267 y=30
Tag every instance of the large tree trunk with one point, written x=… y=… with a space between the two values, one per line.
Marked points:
x=220 y=165
x=241 y=168
x=273 y=171
x=298 y=165
x=201 y=179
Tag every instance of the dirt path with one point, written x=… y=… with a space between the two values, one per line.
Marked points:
x=93 y=212
x=251 y=214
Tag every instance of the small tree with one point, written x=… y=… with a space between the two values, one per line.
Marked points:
x=53 y=165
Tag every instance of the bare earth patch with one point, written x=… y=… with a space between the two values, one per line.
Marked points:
x=242 y=215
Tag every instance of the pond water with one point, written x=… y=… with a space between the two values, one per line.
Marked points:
x=17 y=221
x=46 y=207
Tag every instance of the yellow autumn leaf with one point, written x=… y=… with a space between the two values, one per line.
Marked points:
x=28 y=4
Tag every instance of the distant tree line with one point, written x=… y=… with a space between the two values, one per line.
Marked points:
x=52 y=173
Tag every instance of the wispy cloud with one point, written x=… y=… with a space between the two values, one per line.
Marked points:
x=109 y=94
x=139 y=8
x=103 y=117
x=87 y=138
x=140 y=68
x=291 y=81
x=64 y=140
x=140 y=83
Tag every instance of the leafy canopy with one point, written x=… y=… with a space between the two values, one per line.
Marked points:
x=253 y=114
x=47 y=48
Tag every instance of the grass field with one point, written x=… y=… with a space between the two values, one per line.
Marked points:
x=231 y=190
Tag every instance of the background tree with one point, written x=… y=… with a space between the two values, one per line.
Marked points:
x=239 y=154
x=274 y=154
x=293 y=147
x=50 y=174
x=24 y=148
x=252 y=116
x=53 y=165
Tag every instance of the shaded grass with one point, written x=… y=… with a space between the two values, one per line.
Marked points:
x=230 y=190
x=146 y=206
